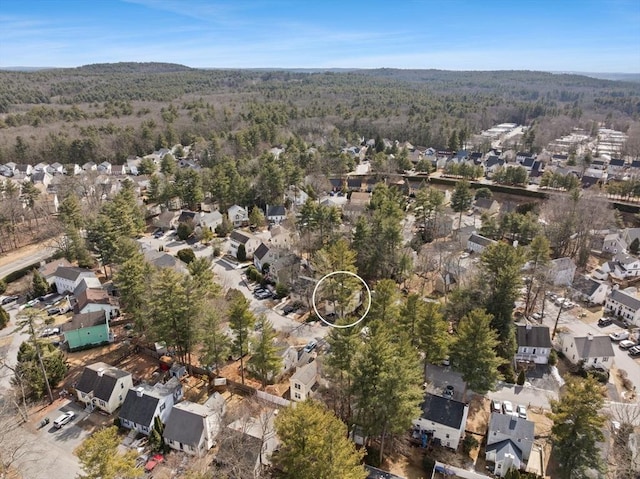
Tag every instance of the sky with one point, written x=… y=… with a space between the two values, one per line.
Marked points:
x=550 y=35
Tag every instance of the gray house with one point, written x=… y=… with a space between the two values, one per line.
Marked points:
x=143 y=403
x=534 y=344
x=509 y=443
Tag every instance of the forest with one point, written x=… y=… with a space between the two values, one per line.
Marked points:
x=112 y=111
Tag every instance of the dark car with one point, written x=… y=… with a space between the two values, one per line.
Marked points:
x=53 y=311
x=10 y=299
x=288 y=309
x=602 y=322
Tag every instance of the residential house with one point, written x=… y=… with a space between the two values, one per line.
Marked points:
x=55 y=168
x=523 y=155
x=209 y=220
x=590 y=291
x=67 y=278
x=87 y=283
x=144 y=402
x=625 y=266
x=492 y=164
x=23 y=170
x=613 y=244
x=104 y=168
x=509 y=443
x=302 y=381
x=48 y=270
x=89 y=166
x=357 y=204
x=442 y=419
x=355 y=183
x=285 y=268
x=9 y=169
x=594 y=351
x=133 y=165
x=477 y=243
x=264 y=255
x=629 y=235
x=163 y=260
x=616 y=166
x=281 y=237
x=249 y=241
x=624 y=303
x=486 y=205
x=534 y=344
x=41 y=178
x=244 y=447
x=275 y=214
x=118 y=170
x=91 y=300
x=193 y=427
x=86 y=330
x=561 y=271
x=188 y=217
x=296 y=196
x=238 y=215
x=103 y=386
x=166 y=220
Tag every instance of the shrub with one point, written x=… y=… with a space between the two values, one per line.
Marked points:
x=4 y=318
x=281 y=290
x=553 y=358
x=184 y=231
x=217 y=251
x=469 y=443
x=3 y=286
x=186 y=255
x=428 y=464
x=521 y=378
x=509 y=374
x=241 y=255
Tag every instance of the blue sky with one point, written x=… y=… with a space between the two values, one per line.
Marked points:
x=558 y=35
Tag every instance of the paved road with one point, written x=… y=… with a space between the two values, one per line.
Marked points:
x=25 y=260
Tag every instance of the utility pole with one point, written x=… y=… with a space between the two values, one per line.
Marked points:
x=555 y=326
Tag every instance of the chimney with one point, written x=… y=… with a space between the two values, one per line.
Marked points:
x=140 y=391
x=529 y=327
x=100 y=372
x=590 y=337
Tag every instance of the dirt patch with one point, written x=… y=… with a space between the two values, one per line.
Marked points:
x=408 y=466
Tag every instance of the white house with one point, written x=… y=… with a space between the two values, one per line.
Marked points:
x=238 y=215
x=104 y=168
x=590 y=291
x=613 y=244
x=280 y=237
x=68 y=278
x=193 y=427
x=534 y=344
x=302 y=381
x=595 y=351
x=103 y=386
x=509 y=443
x=143 y=403
x=478 y=243
x=249 y=241
x=296 y=196
x=275 y=214
x=265 y=255
x=209 y=220
x=561 y=271
x=443 y=419
x=89 y=166
x=91 y=300
x=48 y=270
x=624 y=303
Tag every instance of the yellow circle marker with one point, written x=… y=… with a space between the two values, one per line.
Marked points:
x=313 y=299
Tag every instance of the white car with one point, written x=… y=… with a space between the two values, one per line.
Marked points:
x=521 y=411
x=64 y=419
x=626 y=344
x=507 y=407
x=619 y=336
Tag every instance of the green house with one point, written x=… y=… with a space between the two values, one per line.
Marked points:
x=87 y=330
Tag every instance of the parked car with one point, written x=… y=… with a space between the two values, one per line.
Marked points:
x=507 y=407
x=602 y=322
x=448 y=391
x=619 y=336
x=64 y=419
x=446 y=361
x=53 y=311
x=311 y=345
x=288 y=309
x=634 y=351
x=521 y=411
x=50 y=332
x=536 y=316
x=496 y=406
x=559 y=300
x=10 y=299
x=626 y=344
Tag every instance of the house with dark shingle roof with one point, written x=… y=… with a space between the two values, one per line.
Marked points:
x=93 y=299
x=250 y=242
x=68 y=278
x=87 y=330
x=595 y=351
x=275 y=214
x=144 y=402
x=187 y=216
x=590 y=290
x=103 y=386
x=509 y=443
x=193 y=427
x=442 y=419
x=624 y=303
x=477 y=243
x=163 y=260
x=487 y=205
x=534 y=344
